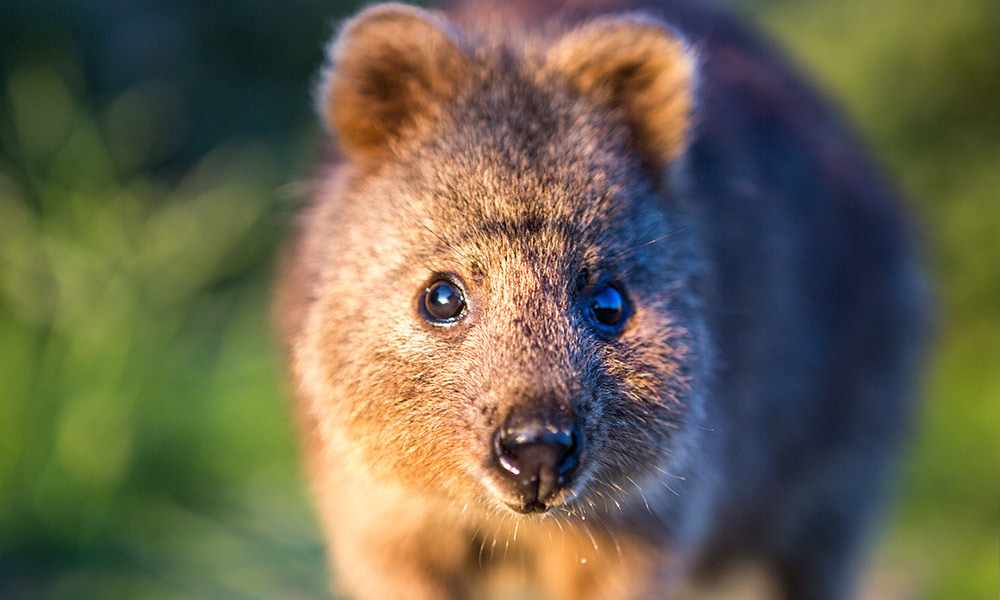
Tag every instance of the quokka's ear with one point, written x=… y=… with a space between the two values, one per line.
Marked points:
x=390 y=67
x=639 y=66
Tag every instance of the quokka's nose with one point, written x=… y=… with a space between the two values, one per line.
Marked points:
x=539 y=452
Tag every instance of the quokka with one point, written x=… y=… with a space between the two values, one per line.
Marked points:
x=599 y=292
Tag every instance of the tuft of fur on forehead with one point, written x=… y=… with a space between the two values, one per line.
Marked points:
x=395 y=69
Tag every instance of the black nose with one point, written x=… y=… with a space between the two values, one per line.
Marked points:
x=539 y=452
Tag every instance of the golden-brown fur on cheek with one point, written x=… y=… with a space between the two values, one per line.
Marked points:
x=393 y=66
x=397 y=423
x=636 y=65
x=388 y=404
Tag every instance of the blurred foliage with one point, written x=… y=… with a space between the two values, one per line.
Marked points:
x=145 y=450
x=145 y=157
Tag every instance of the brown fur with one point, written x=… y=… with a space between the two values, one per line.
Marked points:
x=413 y=514
x=528 y=163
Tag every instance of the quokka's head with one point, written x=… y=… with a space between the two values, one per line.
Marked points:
x=502 y=312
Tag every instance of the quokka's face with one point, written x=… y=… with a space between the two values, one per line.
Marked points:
x=517 y=339
x=503 y=316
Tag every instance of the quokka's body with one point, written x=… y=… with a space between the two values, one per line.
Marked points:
x=598 y=291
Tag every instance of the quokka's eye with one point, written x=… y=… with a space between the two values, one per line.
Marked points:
x=607 y=307
x=442 y=302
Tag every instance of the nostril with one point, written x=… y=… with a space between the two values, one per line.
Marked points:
x=568 y=459
x=505 y=457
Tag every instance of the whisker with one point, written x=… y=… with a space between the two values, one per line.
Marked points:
x=586 y=529
x=482 y=546
x=493 y=546
x=506 y=546
x=641 y=493
x=657 y=467
x=614 y=540
x=642 y=244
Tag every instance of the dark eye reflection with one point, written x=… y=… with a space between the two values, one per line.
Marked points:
x=442 y=302
x=607 y=307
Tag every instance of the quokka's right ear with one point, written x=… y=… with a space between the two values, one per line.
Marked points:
x=640 y=66
x=393 y=66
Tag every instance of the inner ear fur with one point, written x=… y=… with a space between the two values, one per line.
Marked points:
x=639 y=66
x=390 y=67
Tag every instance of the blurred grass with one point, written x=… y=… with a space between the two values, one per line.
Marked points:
x=145 y=450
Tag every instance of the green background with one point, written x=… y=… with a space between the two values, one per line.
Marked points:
x=150 y=157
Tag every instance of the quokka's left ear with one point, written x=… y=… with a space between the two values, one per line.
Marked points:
x=638 y=65
x=390 y=67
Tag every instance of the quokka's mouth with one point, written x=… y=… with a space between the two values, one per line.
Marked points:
x=557 y=501
x=527 y=508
